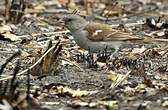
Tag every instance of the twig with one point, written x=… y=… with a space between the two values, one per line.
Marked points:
x=8 y=60
x=43 y=11
x=37 y=34
x=74 y=63
x=119 y=81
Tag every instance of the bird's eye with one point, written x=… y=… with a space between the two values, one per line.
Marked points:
x=68 y=20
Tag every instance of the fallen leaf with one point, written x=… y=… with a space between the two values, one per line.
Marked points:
x=10 y=36
x=65 y=90
x=165 y=103
x=5 y=28
x=138 y=50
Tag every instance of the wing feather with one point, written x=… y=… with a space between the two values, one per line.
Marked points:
x=102 y=32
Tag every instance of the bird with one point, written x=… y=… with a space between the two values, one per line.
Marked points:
x=96 y=37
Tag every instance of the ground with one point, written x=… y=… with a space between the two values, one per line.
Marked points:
x=70 y=78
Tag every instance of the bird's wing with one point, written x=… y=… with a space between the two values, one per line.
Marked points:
x=116 y=35
x=97 y=31
x=102 y=32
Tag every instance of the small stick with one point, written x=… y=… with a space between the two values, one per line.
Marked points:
x=37 y=34
x=118 y=82
x=74 y=63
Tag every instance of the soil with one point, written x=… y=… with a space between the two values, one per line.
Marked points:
x=145 y=88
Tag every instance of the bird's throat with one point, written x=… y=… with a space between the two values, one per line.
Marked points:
x=81 y=39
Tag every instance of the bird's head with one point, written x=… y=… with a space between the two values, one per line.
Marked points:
x=73 y=22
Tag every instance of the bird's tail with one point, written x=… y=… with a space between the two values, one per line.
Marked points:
x=154 y=40
x=147 y=40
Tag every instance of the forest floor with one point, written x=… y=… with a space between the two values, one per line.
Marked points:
x=70 y=78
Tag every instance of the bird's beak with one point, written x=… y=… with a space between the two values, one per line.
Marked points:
x=60 y=22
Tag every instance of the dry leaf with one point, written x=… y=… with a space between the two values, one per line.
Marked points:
x=5 y=28
x=5 y=105
x=138 y=50
x=10 y=36
x=39 y=7
x=63 y=1
x=117 y=78
x=109 y=103
x=51 y=103
x=100 y=64
x=25 y=54
x=113 y=76
x=165 y=103
x=64 y=90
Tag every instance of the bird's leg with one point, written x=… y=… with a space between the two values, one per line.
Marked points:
x=110 y=59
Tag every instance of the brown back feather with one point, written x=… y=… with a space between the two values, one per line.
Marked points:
x=107 y=34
